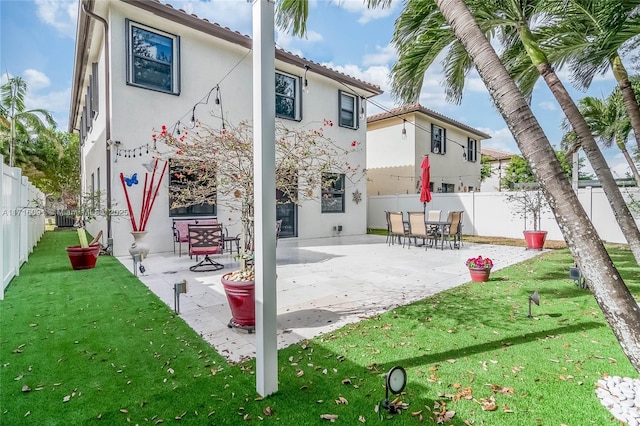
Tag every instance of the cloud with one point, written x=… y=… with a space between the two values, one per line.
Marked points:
x=366 y=14
x=56 y=102
x=548 y=105
x=60 y=14
x=501 y=140
x=383 y=56
x=288 y=42
x=35 y=79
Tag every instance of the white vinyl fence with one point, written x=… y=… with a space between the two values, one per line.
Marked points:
x=490 y=214
x=22 y=221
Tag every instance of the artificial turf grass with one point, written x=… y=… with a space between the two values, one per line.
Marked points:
x=114 y=348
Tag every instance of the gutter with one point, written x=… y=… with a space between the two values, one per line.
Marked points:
x=107 y=101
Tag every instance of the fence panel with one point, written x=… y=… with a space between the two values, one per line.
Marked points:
x=491 y=214
x=22 y=221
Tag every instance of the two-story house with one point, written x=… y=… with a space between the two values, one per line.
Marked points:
x=141 y=64
x=398 y=140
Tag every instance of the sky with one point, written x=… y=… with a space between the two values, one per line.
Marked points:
x=37 y=39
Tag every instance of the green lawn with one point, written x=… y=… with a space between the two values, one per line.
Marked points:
x=97 y=347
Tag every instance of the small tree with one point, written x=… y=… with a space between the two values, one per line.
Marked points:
x=217 y=166
x=528 y=204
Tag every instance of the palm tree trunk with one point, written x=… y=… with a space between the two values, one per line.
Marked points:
x=612 y=295
x=628 y=95
x=600 y=167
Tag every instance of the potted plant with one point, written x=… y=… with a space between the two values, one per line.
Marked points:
x=529 y=204
x=216 y=166
x=479 y=268
x=85 y=255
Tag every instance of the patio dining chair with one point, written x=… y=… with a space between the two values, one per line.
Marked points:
x=417 y=228
x=453 y=231
x=206 y=240
x=398 y=229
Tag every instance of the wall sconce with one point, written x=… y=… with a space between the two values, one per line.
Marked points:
x=395 y=381
x=404 y=129
x=362 y=113
x=305 y=88
x=535 y=298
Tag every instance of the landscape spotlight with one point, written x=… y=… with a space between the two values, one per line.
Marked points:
x=535 y=298
x=395 y=381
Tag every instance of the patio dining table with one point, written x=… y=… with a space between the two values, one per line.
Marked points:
x=441 y=224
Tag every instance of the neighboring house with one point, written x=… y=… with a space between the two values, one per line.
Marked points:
x=398 y=140
x=155 y=66
x=499 y=161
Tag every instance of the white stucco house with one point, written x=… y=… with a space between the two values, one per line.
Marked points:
x=398 y=140
x=498 y=160
x=141 y=64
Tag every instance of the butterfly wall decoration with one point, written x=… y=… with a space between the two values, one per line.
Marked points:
x=133 y=180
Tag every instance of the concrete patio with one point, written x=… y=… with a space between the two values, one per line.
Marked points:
x=322 y=285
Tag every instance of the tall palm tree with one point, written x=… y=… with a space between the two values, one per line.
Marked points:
x=421 y=34
x=610 y=123
x=16 y=120
x=617 y=303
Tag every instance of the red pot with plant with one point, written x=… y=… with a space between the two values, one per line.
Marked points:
x=479 y=268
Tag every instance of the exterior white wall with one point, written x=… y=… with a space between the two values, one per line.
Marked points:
x=492 y=183
x=490 y=214
x=204 y=62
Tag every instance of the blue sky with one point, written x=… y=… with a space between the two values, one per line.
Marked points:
x=37 y=42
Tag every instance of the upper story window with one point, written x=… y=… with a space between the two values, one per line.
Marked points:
x=472 y=150
x=288 y=97
x=153 y=58
x=332 y=193
x=438 y=140
x=348 y=106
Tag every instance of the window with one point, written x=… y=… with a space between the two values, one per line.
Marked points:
x=288 y=97
x=332 y=193
x=438 y=140
x=472 y=150
x=181 y=178
x=98 y=193
x=448 y=187
x=94 y=85
x=153 y=59
x=348 y=106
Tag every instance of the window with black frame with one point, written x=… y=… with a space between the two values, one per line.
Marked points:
x=438 y=140
x=183 y=179
x=287 y=96
x=348 y=110
x=332 y=193
x=153 y=58
x=472 y=150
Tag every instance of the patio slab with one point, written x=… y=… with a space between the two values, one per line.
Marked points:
x=323 y=284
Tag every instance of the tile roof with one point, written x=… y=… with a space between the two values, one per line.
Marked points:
x=494 y=154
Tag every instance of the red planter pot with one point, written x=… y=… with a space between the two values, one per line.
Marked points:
x=479 y=275
x=83 y=257
x=242 y=302
x=535 y=239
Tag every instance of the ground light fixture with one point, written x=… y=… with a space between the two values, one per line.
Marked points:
x=535 y=298
x=395 y=381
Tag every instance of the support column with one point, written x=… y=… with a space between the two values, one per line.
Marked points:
x=264 y=163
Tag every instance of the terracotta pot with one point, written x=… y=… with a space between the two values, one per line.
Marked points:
x=480 y=275
x=83 y=257
x=242 y=302
x=535 y=239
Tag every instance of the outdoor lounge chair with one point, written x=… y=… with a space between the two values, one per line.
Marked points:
x=205 y=240
x=453 y=231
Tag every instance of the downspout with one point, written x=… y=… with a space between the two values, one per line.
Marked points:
x=107 y=119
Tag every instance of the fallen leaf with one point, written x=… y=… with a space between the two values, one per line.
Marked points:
x=342 y=400
x=66 y=398
x=331 y=417
x=268 y=411
x=506 y=409
x=26 y=388
x=361 y=419
x=27 y=413
x=300 y=373
x=346 y=381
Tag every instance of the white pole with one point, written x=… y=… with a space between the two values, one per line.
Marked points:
x=264 y=155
